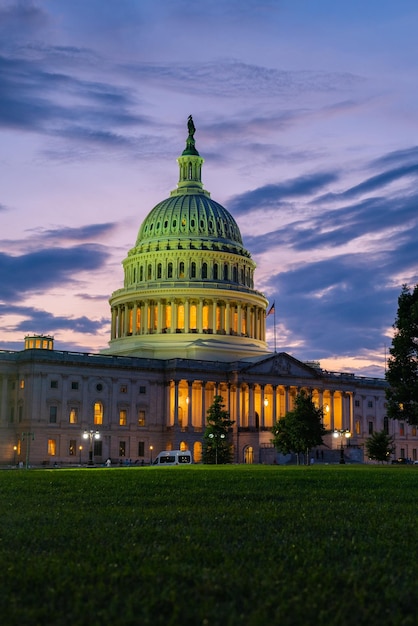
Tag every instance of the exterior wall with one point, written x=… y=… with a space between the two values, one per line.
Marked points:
x=48 y=399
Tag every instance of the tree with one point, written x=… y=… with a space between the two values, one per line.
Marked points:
x=216 y=440
x=301 y=429
x=402 y=372
x=379 y=446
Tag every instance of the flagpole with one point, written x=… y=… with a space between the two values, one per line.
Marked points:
x=274 y=329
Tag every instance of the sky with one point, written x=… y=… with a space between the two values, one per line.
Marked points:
x=306 y=117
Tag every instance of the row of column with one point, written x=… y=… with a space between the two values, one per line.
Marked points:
x=187 y=316
x=251 y=405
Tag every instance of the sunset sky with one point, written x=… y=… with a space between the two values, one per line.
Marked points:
x=307 y=118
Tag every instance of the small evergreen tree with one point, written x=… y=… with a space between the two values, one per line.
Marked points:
x=216 y=440
x=301 y=429
x=402 y=373
x=379 y=446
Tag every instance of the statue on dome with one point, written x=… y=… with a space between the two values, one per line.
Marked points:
x=191 y=127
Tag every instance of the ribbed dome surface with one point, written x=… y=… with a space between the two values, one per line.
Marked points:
x=189 y=216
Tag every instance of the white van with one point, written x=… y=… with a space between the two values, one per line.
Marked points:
x=169 y=458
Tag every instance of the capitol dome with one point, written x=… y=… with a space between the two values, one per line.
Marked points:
x=189 y=281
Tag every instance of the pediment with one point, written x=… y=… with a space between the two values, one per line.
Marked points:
x=281 y=364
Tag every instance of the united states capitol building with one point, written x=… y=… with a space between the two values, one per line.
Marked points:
x=187 y=324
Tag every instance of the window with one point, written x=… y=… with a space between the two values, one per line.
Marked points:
x=74 y=385
x=149 y=272
x=414 y=431
x=386 y=425
x=204 y=270
x=402 y=429
x=123 y=417
x=193 y=270
x=370 y=404
x=141 y=448
x=370 y=428
x=53 y=410
x=358 y=427
x=54 y=384
x=141 y=418
x=181 y=270
x=225 y=271
x=73 y=415
x=142 y=389
x=98 y=413
x=357 y=403
x=72 y=448
x=20 y=413
x=159 y=270
x=22 y=384
x=124 y=388
x=52 y=447
x=170 y=270
x=99 y=387
x=97 y=447
x=122 y=448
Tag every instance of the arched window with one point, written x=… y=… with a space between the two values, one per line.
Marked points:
x=98 y=413
x=204 y=270
x=141 y=274
x=149 y=272
x=170 y=270
x=159 y=270
x=190 y=175
x=181 y=269
x=215 y=271
x=235 y=274
x=193 y=270
x=226 y=271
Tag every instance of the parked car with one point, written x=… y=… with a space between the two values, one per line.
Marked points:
x=400 y=461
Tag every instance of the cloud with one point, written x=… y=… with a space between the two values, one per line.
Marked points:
x=34 y=319
x=270 y=196
x=37 y=271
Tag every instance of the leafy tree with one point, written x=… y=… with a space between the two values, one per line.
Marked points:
x=216 y=440
x=379 y=446
x=301 y=429
x=402 y=372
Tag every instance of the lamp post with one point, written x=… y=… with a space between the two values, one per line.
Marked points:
x=14 y=454
x=342 y=432
x=91 y=434
x=216 y=437
x=80 y=448
x=151 y=448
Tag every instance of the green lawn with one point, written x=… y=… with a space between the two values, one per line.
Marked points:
x=251 y=545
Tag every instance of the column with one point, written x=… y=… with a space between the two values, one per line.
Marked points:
x=251 y=416
x=189 y=403
x=262 y=416
x=187 y=316
x=176 y=403
x=214 y=306
x=203 y=392
x=200 y=317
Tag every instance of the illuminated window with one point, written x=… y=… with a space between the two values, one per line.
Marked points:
x=22 y=384
x=193 y=317
x=53 y=414
x=180 y=316
x=124 y=388
x=73 y=415
x=98 y=413
x=402 y=429
x=52 y=447
x=358 y=427
x=181 y=270
x=72 y=448
x=123 y=417
x=141 y=418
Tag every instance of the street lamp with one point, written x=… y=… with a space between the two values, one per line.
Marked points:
x=91 y=434
x=151 y=448
x=216 y=436
x=14 y=454
x=342 y=432
x=80 y=448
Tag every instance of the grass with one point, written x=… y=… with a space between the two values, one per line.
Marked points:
x=226 y=545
